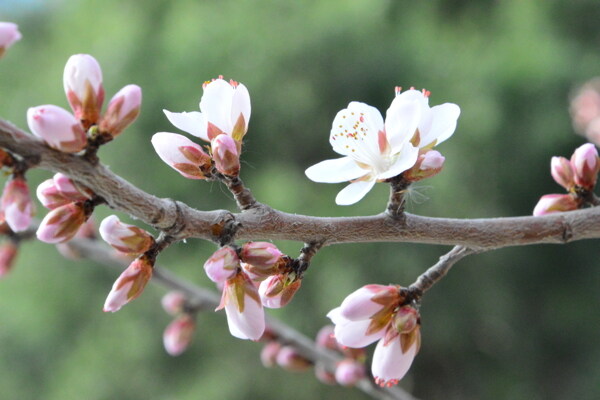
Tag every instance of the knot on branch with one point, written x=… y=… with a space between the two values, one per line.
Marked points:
x=224 y=229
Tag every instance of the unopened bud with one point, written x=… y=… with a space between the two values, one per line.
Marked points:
x=82 y=81
x=8 y=253
x=16 y=204
x=62 y=223
x=290 y=360
x=124 y=237
x=551 y=203
x=260 y=254
x=268 y=354
x=562 y=172
x=173 y=302
x=586 y=165
x=278 y=290
x=181 y=154
x=122 y=110
x=57 y=127
x=222 y=265
x=348 y=372
x=70 y=189
x=87 y=231
x=326 y=338
x=428 y=164
x=406 y=319
x=9 y=34
x=226 y=155
x=130 y=284
x=178 y=334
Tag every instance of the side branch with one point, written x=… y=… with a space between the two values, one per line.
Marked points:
x=263 y=222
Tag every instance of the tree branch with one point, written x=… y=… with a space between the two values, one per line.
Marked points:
x=262 y=222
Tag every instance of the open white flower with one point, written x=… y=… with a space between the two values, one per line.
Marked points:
x=437 y=123
x=373 y=150
x=225 y=109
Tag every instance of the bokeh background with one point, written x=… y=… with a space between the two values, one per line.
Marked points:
x=519 y=323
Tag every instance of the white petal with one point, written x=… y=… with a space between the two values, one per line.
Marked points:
x=333 y=171
x=401 y=122
x=370 y=112
x=413 y=95
x=216 y=104
x=389 y=363
x=353 y=333
x=247 y=325
x=358 y=305
x=406 y=159
x=240 y=104
x=355 y=132
x=442 y=125
x=354 y=192
x=193 y=123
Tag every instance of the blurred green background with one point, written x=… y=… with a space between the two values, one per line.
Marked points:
x=519 y=323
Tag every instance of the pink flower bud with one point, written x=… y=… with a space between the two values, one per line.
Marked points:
x=124 y=237
x=562 y=172
x=9 y=34
x=260 y=254
x=368 y=301
x=586 y=165
x=428 y=164
x=82 y=80
x=268 y=354
x=181 y=154
x=16 y=204
x=226 y=155
x=173 y=302
x=62 y=223
x=348 y=372
x=50 y=196
x=178 y=334
x=70 y=189
x=57 y=127
x=406 y=319
x=122 y=110
x=222 y=265
x=585 y=110
x=326 y=338
x=323 y=375
x=130 y=284
x=87 y=231
x=8 y=253
x=551 y=203
x=290 y=360
x=278 y=290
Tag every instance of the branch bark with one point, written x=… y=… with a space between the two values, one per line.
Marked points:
x=263 y=222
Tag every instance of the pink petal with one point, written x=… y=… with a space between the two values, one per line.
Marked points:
x=389 y=363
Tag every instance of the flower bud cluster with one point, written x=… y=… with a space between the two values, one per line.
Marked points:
x=82 y=80
x=254 y=276
x=380 y=313
x=577 y=175
x=179 y=333
x=71 y=205
x=223 y=122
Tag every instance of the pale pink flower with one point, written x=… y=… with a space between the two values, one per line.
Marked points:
x=82 y=81
x=57 y=127
x=122 y=110
x=178 y=334
x=8 y=254
x=348 y=372
x=225 y=109
x=9 y=34
x=436 y=124
x=562 y=172
x=62 y=223
x=181 y=154
x=226 y=155
x=173 y=302
x=16 y=204
x=130 y=284
x=222 y=265
x=278 y=290
x=244 y=310
x=373 y=150
x=124 y=237
x=552 y=203
x=586 y=164
x=376 y=312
